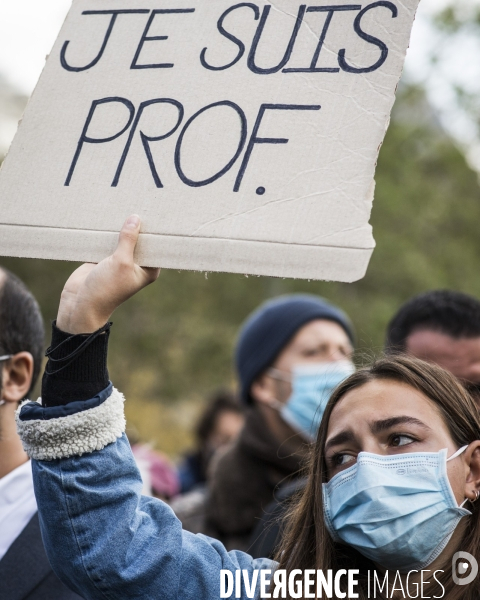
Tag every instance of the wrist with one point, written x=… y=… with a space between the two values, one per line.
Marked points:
x=75 y=319
x=76 y=368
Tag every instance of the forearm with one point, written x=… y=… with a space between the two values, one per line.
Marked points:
x=101 y=536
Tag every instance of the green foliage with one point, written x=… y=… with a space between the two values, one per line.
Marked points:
x=458 y=33
x=173 y=343
x=457 y=17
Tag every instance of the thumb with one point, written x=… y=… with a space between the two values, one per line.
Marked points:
x=128 y=239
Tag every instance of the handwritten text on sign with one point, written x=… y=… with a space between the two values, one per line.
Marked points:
x=245 y=134
x=134 y=114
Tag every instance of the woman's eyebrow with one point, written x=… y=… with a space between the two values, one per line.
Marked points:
x=340 y=438
x=379 y=426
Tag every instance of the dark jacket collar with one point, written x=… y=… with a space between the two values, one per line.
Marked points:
x=25 y=565
x=258 y=441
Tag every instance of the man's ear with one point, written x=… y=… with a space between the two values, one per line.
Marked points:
x=17 y=377
x=263 y=390
x=472 y=483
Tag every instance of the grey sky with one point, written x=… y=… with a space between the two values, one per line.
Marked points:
x=28 y=29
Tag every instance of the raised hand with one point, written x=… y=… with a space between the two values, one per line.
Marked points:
x=93 y=292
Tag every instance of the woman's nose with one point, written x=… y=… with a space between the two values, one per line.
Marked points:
x=373 y=447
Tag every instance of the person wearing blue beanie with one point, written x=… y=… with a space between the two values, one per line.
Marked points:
x=268 y=330
x=290 y=355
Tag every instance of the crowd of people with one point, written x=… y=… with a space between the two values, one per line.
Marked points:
x=298 y=469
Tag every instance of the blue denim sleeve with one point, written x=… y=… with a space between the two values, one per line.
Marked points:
x=108 y=542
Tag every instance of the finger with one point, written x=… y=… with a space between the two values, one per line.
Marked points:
x=151 y=273
x=128 y=239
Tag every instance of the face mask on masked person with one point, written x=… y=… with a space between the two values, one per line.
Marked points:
x=398 y=511
x=312 y=386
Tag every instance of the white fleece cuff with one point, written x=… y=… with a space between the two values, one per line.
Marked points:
x=74 y=435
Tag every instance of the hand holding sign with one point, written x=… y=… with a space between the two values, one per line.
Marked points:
x=93 y=292
x=249 y=130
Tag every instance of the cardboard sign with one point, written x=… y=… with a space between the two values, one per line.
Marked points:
x=245 y=135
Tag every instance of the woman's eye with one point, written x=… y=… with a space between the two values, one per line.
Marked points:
x=401 y=440
x=340 y=460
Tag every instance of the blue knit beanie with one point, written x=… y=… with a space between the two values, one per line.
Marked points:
x=269 y=329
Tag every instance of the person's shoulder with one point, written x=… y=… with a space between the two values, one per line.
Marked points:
x=25 y=571
x=232 y=462
x=290 y=489
x=52 y=587
x=224 y=460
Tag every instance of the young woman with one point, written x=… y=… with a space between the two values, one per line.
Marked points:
x=393 y=480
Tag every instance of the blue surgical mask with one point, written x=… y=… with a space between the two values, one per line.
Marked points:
x=312 y=386
x=399 y=511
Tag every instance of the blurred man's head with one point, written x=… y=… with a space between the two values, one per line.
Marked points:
x=21 y=338
x=284 y=335
x=219 y=424
x=441 y=327
x=21 y=349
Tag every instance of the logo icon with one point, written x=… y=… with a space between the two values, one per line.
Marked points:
x=461 y=562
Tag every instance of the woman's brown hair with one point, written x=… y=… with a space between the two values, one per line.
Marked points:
x=307 y=543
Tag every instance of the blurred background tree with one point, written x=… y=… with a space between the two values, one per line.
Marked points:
x=173 y=344
x=454 y=41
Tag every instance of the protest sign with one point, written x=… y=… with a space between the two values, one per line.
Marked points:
x=244 y=134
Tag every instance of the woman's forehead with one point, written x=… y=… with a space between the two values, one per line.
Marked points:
x=382 y=399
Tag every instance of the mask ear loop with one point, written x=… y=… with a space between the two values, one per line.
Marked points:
x=275 y=404
x=279 y=375
x=457 y=453
x=477 y=493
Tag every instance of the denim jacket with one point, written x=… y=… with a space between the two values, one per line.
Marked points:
x=104 y=539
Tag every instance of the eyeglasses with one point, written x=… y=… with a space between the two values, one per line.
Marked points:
x=6 y=357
